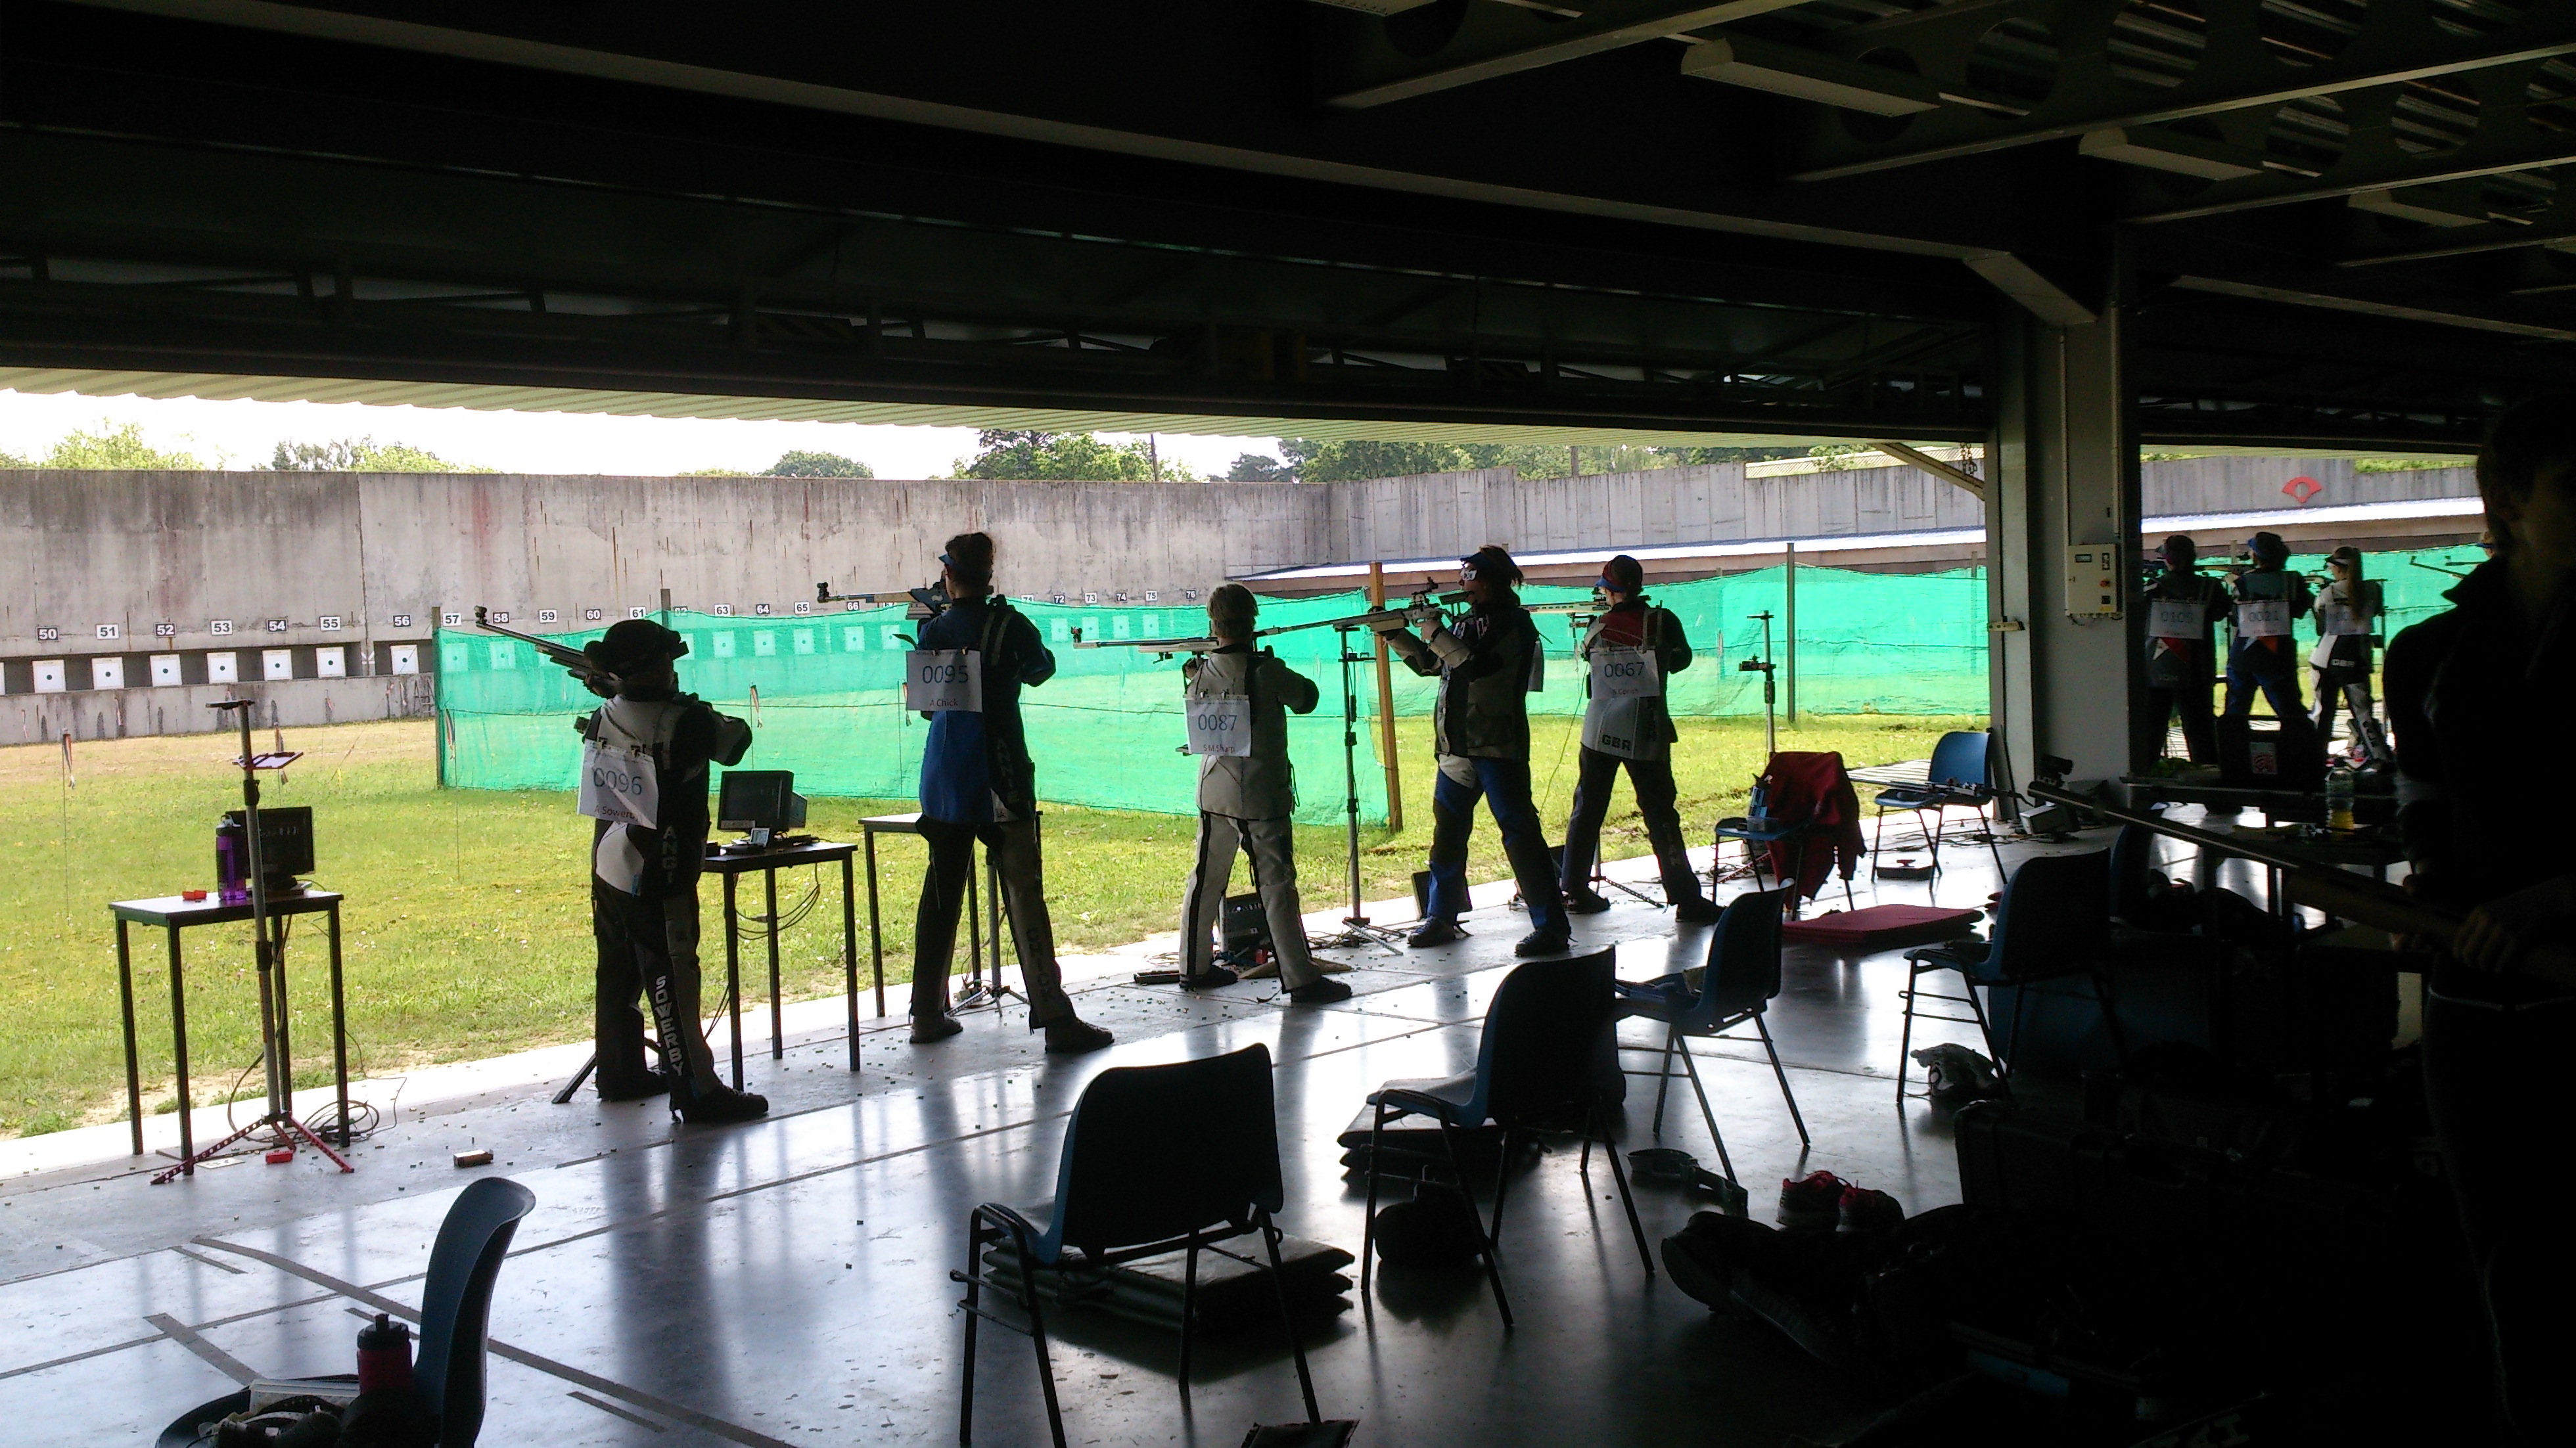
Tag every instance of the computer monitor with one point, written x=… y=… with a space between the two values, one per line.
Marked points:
x=759 y=801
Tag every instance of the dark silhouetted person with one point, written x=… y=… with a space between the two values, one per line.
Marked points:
x=2183 y=609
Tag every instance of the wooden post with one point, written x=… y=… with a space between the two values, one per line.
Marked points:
x=1789 y=650
x=1386 y=708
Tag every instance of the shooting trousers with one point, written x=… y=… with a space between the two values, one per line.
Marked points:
x=648 y=946
x=1273 y=846
x=1012 y=845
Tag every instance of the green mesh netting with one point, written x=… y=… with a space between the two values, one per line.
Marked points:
x=824 y=691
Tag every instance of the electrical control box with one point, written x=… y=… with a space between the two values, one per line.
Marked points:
x=2093 y=580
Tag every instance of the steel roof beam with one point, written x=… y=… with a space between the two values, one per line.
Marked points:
x=2504 y=142
x=1363 y=64
x=2236 y=70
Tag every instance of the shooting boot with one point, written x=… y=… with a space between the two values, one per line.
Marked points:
x=717 y=1105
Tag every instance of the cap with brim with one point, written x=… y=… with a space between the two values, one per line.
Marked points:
x=1622 y=574
x=634 y=644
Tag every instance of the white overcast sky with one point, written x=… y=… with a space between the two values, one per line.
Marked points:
x=242 y=434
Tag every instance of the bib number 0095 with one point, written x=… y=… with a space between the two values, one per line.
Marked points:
x=944 y=680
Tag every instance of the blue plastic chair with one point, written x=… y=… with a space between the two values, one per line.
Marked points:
x=1537 y=1070
x=1156 y=1159
x=1956 y=777
x=1741 y=978
x=455 y=1314
x=1772 y=831
x=2054 y=921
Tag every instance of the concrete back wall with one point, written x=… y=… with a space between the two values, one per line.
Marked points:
x=365 y=560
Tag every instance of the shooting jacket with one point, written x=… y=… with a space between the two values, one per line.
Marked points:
x=1485 y=663
x=975 y=767
x=684 y=735
x=2269 y=658
x=2348 y=653
x=1261 y=785
x=2179 y=662
x=1639 y=624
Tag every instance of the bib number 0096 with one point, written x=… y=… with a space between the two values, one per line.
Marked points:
x=620 y=785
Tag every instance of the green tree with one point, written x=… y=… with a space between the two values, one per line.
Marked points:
x=1702 y=456
x=713 y=473
x=1337 y=462
x=799 y=463
x=112 y=446
x=362 y=455
x=1257 y=468
x=1063 y=457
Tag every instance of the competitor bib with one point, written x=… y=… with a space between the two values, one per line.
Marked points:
x=1625 y=673
x=2263 y=618
x=1220 y=724
x=2176 y=618
x=2339 y=619
x=1616 y=726
x=620 y=785
x=943 y=680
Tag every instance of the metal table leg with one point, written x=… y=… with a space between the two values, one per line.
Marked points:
x=777 y=1027
x=876 y=934
x=339 y=1027
x=733 y=976
x=133 y=1067
x=179 y=1052
x=850 y=959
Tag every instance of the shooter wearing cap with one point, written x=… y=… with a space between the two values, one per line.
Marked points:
x=2347 y=611
x=977 y=783
x=1488 y=664
x=1238 y=702
x=2268 y=597
x=1630 y=651
x=2182 y=653
x=645 y=759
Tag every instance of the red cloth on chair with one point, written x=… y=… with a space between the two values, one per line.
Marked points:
x=1813 y=788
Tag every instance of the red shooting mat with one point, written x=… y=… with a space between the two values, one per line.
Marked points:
x=1882 y=925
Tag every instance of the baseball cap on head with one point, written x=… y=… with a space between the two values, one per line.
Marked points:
x=2267 y=547
x=635 y=643
x=1623 y=574
x=1492 y=563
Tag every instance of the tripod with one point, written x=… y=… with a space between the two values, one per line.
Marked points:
x=1356 y=929
x=279 y=1119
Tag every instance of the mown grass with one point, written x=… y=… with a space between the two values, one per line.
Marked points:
x=467 y=923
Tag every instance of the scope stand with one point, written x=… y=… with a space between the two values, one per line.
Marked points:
x=1356 y=929
x=1769 y=669
x=279 y=1119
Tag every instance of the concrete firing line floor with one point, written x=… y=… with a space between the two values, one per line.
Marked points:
x=814 y=1248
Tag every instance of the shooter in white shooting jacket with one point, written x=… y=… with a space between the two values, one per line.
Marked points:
x=1237 y=703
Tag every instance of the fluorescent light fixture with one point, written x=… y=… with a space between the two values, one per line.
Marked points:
x=1786 y=70
x=2161 y=150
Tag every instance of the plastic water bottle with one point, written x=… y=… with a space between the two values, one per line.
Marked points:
x=2339 y=798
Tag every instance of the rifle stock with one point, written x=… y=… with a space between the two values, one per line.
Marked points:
x=2339 y=893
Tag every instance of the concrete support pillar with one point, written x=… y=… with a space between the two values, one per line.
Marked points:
x=2062 y=517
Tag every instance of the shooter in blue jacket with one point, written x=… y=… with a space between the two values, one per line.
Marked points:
x=977 y=783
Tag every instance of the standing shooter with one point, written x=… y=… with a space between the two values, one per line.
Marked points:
x=977 y=783
x=1631 y=650
x=645 y=760
x=2268 y=598
x=1487 y=665
x=2182 y=653
x=2348 y=612
x=1238 y=702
